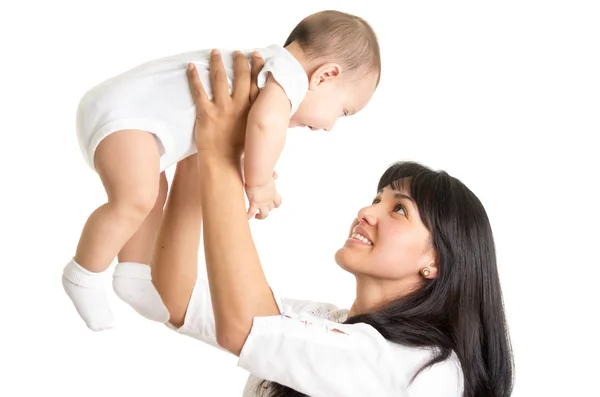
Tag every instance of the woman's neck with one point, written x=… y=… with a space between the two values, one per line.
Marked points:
x=373 y=293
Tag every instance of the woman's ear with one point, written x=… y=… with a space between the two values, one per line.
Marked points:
x=324 y=73
x=429 y=269
x=429 y=272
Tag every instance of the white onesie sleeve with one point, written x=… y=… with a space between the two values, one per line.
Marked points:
x=287 y=71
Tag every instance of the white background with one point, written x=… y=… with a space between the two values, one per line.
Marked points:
x=504 y=96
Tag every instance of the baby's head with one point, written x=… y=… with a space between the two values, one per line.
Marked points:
x=340 y=54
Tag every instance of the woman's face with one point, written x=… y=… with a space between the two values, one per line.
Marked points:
x=388 y=239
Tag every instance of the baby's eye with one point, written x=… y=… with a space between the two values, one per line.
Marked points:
x=345 y=113
x=375 y=201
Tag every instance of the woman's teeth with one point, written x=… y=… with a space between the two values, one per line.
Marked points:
x=362 y=238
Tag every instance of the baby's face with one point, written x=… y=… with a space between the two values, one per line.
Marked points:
x=329 y=101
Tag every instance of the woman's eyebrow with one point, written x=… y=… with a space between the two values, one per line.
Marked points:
x=400 y=196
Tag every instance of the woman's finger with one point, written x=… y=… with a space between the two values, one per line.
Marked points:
x=257 y=64
x=241 y=82
x=218 y=78
x=196 y=88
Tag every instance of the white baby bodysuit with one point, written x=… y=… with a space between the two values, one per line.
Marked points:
x=155 y=97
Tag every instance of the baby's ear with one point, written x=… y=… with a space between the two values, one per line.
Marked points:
x=324 y=73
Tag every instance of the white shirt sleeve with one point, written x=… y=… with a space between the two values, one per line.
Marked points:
x=288 y=72
x=199 y=320
x=322 y=358
x=303 y=350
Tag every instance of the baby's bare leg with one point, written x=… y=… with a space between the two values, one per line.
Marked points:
x=175 y=258
x=128 y=163
x=132 y=280
x=139 y=247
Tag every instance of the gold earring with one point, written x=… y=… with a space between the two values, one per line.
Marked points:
x=425 y=272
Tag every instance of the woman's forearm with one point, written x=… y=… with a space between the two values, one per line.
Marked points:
x=238 y=287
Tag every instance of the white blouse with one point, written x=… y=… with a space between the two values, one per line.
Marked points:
x=308 y=349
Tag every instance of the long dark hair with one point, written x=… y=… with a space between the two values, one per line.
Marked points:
x=461 y=310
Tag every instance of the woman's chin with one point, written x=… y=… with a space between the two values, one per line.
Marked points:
x=343 y=257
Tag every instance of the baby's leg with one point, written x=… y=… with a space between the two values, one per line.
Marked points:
x=132 y=280
x=128 y=163
x=175 y=258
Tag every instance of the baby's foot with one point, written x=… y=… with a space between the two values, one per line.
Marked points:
x=88 y=294
x=132 y=282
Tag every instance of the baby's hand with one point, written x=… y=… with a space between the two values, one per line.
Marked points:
x=262 y=199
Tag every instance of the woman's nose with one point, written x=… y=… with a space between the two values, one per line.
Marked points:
x=366 y=216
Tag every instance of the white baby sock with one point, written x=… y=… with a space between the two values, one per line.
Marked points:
x=88 y=293
x=132 y=282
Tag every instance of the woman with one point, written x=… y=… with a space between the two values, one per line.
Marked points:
x=427 y=320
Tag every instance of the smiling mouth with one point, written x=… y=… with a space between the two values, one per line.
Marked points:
x=360 y=237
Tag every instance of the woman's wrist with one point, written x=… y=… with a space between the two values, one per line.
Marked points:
x=211 y=162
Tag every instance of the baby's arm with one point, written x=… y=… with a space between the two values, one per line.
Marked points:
x=266 y=128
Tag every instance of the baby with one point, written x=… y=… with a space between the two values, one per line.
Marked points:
x=133 y=126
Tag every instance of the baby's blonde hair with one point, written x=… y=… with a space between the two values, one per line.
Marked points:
x=336 y=36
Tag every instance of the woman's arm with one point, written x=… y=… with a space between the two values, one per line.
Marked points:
x=238 y=287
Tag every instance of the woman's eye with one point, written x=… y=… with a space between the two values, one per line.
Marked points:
x=400 y=208
x=376 y=201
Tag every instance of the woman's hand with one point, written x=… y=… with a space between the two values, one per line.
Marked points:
x=238 y=287
x=221 y=123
